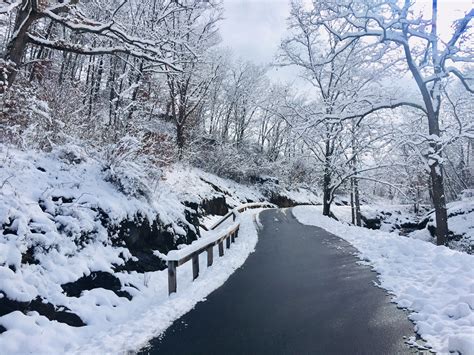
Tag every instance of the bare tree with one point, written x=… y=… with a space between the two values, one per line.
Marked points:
x=86 y=29
x=429 y=60
x=197 y=29
x=345 y=86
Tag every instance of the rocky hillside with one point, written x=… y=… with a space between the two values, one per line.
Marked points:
x=78 y=238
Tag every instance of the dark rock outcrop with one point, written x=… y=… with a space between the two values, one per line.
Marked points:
x=97 y=279
x=192 y=213
x=371 y=223
x=282 y=201
x=215 y=206
x=60 y=314
x=258 y=179
x=28 y=257
x=144 y=261
x=142 y=237
x=140 y=234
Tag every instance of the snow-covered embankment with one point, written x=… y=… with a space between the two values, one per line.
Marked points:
x=81 y=262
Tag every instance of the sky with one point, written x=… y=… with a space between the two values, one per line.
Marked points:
x=253 y=28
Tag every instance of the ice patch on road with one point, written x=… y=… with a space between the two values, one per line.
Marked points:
x=435 y=283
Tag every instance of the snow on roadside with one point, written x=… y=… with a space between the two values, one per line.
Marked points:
x=460 y=223
x=128 y=325
x=195 y=185
x=301 y=196
x=435 y=283
x=391 y=216
x=52 y=232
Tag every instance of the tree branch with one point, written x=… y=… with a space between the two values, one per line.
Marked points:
x=78 y=49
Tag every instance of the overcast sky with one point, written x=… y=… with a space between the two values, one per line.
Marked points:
x=254 y=28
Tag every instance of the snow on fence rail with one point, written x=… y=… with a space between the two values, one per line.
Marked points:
x=177 y=258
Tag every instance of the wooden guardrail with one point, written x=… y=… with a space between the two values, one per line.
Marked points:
x=177 y=258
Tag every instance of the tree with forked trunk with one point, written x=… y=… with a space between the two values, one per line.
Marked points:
x=428 y=59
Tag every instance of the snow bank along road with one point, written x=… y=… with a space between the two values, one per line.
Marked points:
x=436 y=284
x=302 y=291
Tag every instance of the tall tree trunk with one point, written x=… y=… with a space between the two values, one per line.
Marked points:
x=133 y=106
x=358 y=219
x=15 y=49
x=180 y=136
x=110 y=86
x=118 y=100
x=327 y=198
x=436 y=169
x=91 y=89
x=353 y=213
x=63 y=68
x=470 y=166
x=88 y=79
x=40 y=54
x=355 y=200
x=327 y=191
x=75 y=67
x=98 y=79
x=432 y=99
x=439 y=202
x=181 y=126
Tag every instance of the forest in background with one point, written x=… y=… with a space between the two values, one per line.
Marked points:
x=141 y=85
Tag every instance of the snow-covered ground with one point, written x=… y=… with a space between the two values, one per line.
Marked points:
x=300 y=196
x=401 y=219
x=195 y=185
x=389 y=217
x=117 y=325
x=435 y=283
x=59 y=213
x=398 y=213
x=460 y=224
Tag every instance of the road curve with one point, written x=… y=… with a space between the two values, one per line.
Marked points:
x=301 y=292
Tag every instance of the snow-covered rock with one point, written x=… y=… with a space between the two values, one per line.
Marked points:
x=460 y=225
x=81 y=261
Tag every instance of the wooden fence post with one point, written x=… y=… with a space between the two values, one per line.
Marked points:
x=195 y=266
x=194 y=255
x=210 y=255
x=172 y=283
x=221 y=249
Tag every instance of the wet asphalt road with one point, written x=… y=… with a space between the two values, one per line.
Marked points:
x=301 y=292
